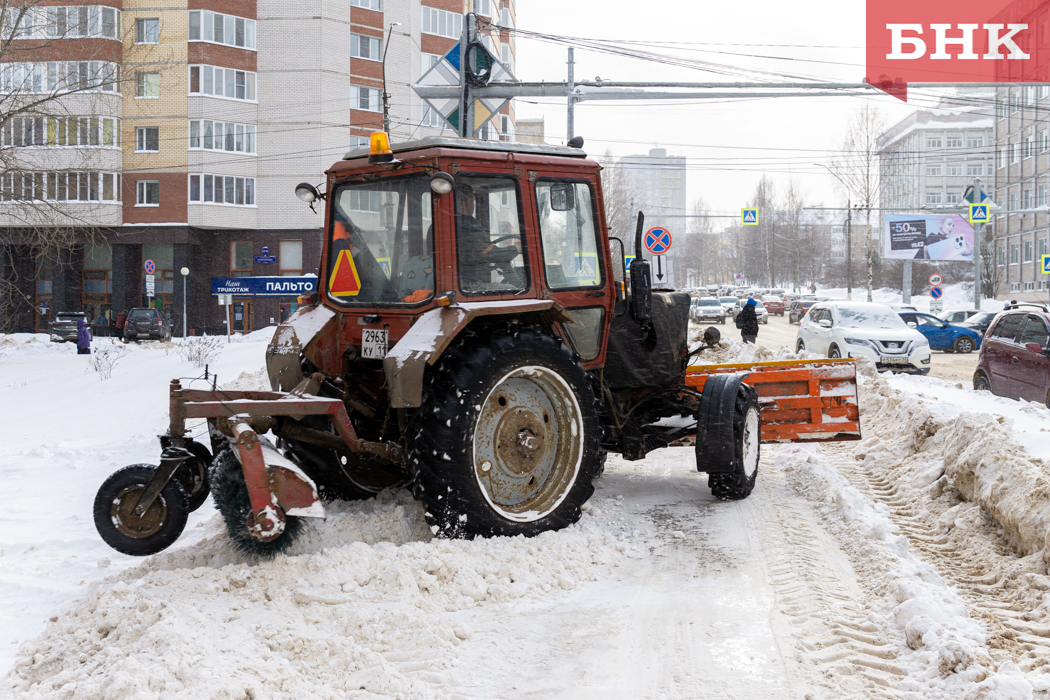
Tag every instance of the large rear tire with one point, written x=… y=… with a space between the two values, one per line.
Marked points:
x=231 y=498
x=156 y=529
x=507 y=440
x=728 y=440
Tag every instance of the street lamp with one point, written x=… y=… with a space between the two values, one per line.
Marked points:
x=386 y=95
x=849 y=234
x=185 y=273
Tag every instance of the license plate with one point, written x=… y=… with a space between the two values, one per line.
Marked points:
x=894 y=360
x=374 y=343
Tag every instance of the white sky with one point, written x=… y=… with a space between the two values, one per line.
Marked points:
x=726 y=142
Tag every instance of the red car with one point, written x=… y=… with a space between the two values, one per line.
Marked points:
x=1015 y=359
x=774 y=305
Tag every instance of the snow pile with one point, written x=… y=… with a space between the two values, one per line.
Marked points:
x=943 y=649
x=365 y=601
x=738 y=352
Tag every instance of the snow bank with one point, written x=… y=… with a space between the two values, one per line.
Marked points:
x=365 y=601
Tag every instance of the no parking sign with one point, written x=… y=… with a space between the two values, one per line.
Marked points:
x=658 y=240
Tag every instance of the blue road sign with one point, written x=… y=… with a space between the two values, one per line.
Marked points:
x=627 y=260
x=265 y=259
x=1046 y=264
x=936 y=292
x=749 y=217
x=979 y=213
x=658 y=240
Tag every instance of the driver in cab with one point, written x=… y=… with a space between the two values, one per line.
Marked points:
x=478 y=254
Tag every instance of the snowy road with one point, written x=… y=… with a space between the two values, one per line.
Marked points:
x=908 y=565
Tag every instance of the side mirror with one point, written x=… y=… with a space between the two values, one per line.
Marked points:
x=912 y=324
x=563 y=196
x=824 y=323
x=1033 y=347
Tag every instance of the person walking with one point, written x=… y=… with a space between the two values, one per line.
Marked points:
x=747 y=322
x=83 y=338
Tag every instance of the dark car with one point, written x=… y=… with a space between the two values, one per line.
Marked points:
x=146 y=324
x=798 y=309
x=1015 y=360
x=943 y=335
x=64 y=327
x=980 y=321
x=957 y=316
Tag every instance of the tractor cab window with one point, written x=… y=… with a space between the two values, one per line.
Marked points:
x=381 y=242
x=569 y=233
x=489 y=247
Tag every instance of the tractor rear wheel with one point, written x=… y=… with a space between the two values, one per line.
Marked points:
x=728 y=440
x=128 y=533
x=231 y=498
x=507 y=440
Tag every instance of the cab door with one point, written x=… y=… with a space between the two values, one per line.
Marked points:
x=574 y=266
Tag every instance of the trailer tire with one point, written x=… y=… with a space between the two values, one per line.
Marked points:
x=507 y=440
x=728 y=440
x=156 y=530
x=231 y=499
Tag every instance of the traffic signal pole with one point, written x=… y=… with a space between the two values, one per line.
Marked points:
x=977 y=241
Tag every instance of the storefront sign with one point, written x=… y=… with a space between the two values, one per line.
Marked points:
x=263 y=286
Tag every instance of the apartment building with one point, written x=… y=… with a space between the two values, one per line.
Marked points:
x=1022 y=176
x=184 y=133
x=929 y=158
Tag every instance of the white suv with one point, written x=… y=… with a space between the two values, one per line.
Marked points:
x=858 y=329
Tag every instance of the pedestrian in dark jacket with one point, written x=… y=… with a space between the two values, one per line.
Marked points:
x=747 y=322
x=83 y=338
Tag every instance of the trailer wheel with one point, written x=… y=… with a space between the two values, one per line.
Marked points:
x=231 y=498
x=156 y=529
x=507 y=440
x=728 y=440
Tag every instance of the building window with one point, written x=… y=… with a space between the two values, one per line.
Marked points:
x=1028 y=150
x=442 y=23
x=147 y=31
x=365 y=98
x=1001 y=256
x=368 y=4
x=1029 y=286
x=241 y=259
x=59 y=76
x=1000 y=158
x=1041 y=196
x=933 y=170
x=1014 y=253
x=362 y=46
x=60 y=187
x=1013 y=202
x=148 y=193
x=505 y=19
x=953 y=198
x=933 y=142
x=1026 y=199
x=222 y=136
x=290 y=258
x=974 y=169
x=431 y=118
x=1015 y=286
x=147 y=138
x=933 y=197
x=222 y=82
x=359 y=141
x=953 y=141
x=1042 y=248
x=974 y=142
x=147 y=85
x=1013 y=101
x=222 y=189
x=83 y=21
x=1000 y=109
x=222 y=29
x=1027 y=251
x=954 y=169
x=1013 y=149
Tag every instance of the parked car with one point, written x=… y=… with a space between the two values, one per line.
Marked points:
x=731 y=305
x=980 y=322
x=64 y=327
x=957 y=316
x=707 y=310
x=1015 y=358
x=902 y=307
x=864 y=329
x=797 y=310
x=774 y=304
x=146 y=324
x=943 y=335
x=790 y=297
x=777 y=292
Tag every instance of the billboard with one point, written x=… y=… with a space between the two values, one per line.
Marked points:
x=939 y=237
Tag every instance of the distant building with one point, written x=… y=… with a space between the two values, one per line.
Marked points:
x=659 y=181
x=530 y=130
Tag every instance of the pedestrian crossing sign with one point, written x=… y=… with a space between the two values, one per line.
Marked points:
x=749 y=217
x=627 y=260
x=1046 y=264
x=587 y=268
x=979 y=213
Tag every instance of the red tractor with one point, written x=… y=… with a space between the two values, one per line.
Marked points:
x=476 y=337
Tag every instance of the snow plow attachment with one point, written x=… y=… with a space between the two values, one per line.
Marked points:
x=799 y=400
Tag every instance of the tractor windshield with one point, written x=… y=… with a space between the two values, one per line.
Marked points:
x=381 y=243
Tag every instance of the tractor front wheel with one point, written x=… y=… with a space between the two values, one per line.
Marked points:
x=139 y=534
x=230 y=494
x=507 y=441
x=728 y=440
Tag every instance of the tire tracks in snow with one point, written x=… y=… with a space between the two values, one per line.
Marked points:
x=989 y=578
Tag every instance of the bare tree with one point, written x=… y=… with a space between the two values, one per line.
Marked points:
x=857 y=166
x=764 y=199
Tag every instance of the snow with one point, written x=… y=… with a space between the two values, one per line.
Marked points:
x=909 y=564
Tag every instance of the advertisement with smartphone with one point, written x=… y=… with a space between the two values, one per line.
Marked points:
x=941 y=237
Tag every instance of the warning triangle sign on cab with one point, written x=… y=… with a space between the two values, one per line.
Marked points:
x=344 y=282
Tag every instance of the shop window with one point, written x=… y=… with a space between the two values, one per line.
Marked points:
x=241 y=259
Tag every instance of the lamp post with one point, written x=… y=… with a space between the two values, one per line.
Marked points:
x=386 y=95
x=849 y=234
x=185 y=273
